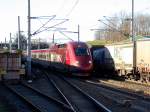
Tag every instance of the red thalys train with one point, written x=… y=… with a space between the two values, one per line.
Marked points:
x=72 y=57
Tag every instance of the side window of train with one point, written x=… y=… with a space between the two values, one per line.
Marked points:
x=33 y=55
x=40 y=56
x=53 y=57
x=44 y=56
x=37 y=56
x=49 y=56
x=62 y=46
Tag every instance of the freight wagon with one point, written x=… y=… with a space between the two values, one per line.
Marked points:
x=119 y=58
x=10 y=66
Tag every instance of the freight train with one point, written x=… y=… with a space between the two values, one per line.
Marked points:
x=72 y=57
x=118 y=59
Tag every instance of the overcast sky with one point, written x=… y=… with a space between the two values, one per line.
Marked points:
x=83 y=12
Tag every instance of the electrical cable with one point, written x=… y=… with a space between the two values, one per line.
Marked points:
x=72 y=8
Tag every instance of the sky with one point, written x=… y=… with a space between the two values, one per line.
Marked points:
x=84 y=13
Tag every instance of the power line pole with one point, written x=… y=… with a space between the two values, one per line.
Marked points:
x=10 y=43
x=134 y=41
x=78 y=33
x=29 y=45
x=39 y=43
x=1 y=45
x=5 y=42
x=18 y=32
x=53 y=38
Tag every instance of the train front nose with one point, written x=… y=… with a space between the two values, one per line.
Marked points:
x=86 y=65
x=83 y=65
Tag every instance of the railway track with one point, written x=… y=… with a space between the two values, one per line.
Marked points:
x=47 y=86
x=37 y=100
x=129 y=101
x=123 y=91
x=78 y=94
x=79 y=100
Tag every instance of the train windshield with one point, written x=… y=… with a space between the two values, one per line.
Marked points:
x=80 y=51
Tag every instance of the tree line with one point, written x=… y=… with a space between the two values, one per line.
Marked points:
x=23 y=44
x=119 y=27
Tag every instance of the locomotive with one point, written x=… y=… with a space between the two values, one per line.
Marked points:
x=72 y=57
x=118 y=59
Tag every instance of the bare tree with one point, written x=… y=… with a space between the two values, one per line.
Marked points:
x=119 y=27
x=142 y=25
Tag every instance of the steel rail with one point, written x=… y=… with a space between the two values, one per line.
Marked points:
x=46 y=96
x=119 y=90
x=121 y=98
x=35 y=107
x=60 y=92
x=101 y=106
x=62 y=105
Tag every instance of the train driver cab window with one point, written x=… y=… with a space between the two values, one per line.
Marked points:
x=80 y=51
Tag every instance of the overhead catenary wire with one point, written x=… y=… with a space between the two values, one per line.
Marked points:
x=43 y=28
x=62 y=6
x=52 y=17
x=66 y=35
x=50 y=27
x=76 y=2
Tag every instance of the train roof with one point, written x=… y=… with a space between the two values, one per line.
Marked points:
x=76 y=43
x=71 y=43
x=55 y=46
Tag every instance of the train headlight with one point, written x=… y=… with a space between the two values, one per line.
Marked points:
x=77 y=62
x=90 y=61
